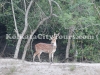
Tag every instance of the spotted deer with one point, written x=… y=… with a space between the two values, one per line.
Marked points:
x=46 y=48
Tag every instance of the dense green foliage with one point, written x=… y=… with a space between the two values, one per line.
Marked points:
x=82 y=15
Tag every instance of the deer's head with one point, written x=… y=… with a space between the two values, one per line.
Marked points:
x=54 y=38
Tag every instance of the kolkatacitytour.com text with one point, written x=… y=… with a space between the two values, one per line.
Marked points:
x=43 y=36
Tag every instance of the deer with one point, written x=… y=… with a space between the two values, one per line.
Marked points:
x=46 y=48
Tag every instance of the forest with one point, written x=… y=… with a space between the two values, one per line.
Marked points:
x=24 y=23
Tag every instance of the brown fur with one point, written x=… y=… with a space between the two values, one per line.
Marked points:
x=46 y=48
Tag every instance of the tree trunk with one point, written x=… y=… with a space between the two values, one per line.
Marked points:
x=75 y=55
x=2 y=53
x=69 y=42
x=26 y=46
x=24 y=31
x=17 y=48
x=74 y=48
x=68 y=48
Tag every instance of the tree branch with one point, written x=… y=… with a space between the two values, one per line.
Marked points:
x=26 y=18
x=57 y=5
x=40 y=9
x=25 y=5
x=97 y=9
x=50 y=7
x=16 y=29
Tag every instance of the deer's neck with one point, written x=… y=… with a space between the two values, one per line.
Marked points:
x=54 y=44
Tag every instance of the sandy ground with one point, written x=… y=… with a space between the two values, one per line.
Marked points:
x=17 y=67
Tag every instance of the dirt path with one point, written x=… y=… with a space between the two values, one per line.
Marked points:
x=17 y=67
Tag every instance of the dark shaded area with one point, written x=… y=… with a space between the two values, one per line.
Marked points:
x=97 y=0
x=3 y=32
x=3 y=29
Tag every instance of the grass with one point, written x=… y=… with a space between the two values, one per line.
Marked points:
x=72 y=67
x=11 y=71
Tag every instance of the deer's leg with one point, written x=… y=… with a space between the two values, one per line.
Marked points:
x=49 y=57
x=52 y=56
x=34 y=55
x=39 y=57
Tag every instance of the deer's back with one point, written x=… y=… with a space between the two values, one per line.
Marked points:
x=44 y=47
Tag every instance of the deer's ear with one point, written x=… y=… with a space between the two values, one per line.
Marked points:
x=58 y=34
x=54 y=33
x=51 y=38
